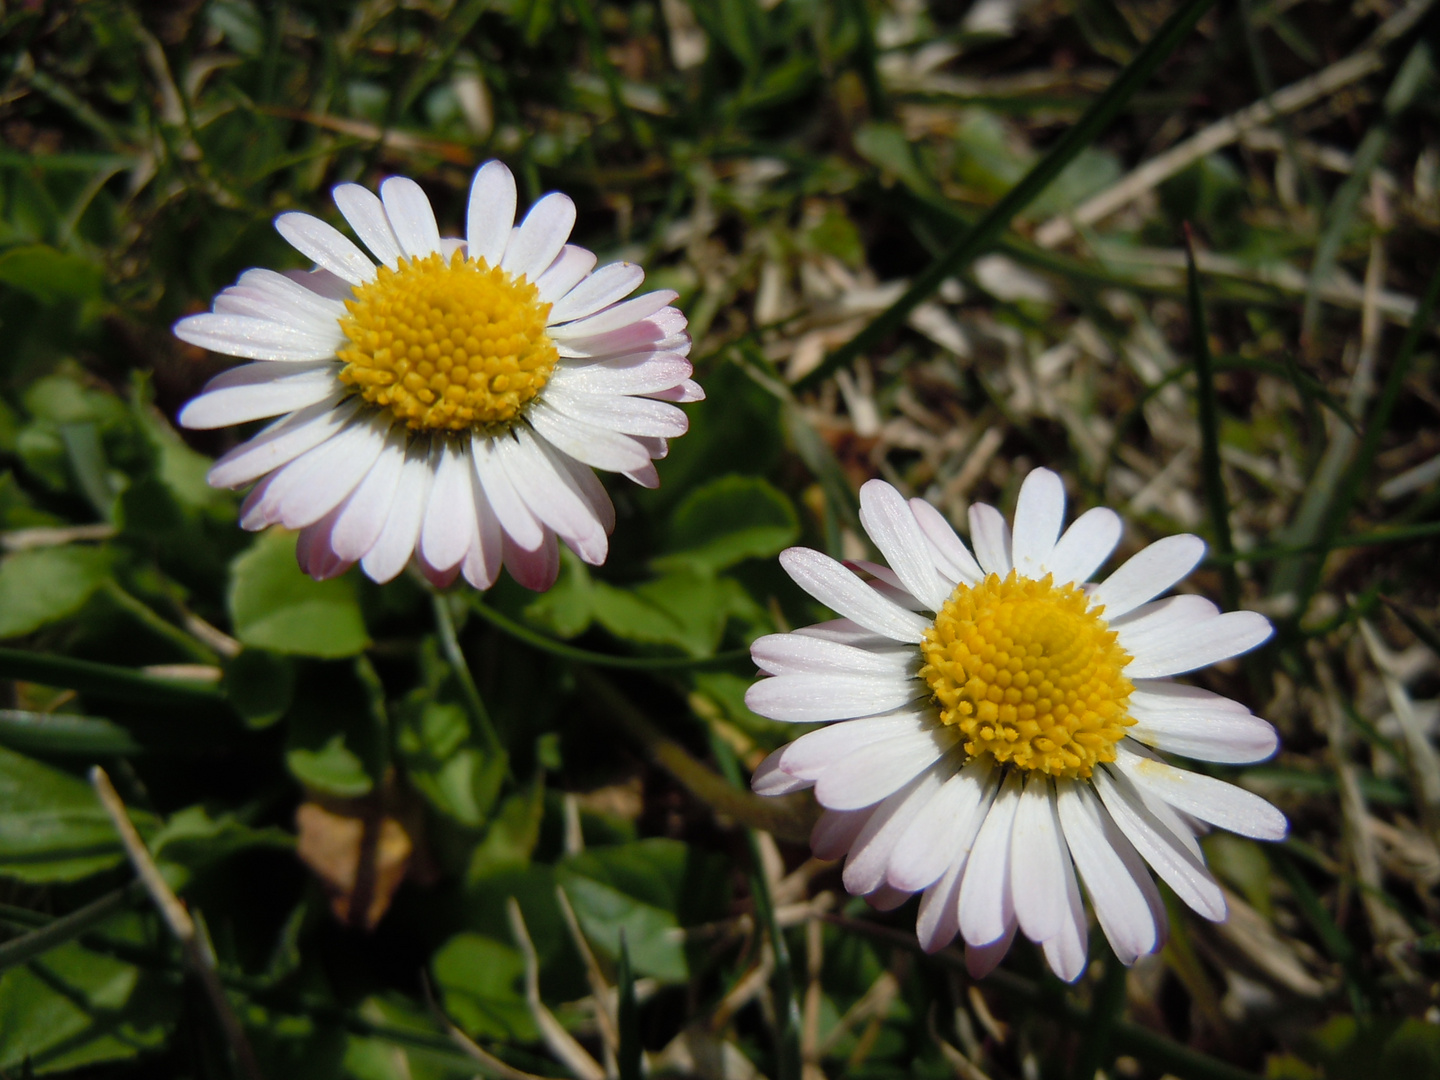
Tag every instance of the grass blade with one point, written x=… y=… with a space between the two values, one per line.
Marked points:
x=980 y=236
x=105 y=680
x=1210 y=475
x=627 y=1056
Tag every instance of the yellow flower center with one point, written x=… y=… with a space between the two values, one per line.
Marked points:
x=1030 y=674
x=447 y=346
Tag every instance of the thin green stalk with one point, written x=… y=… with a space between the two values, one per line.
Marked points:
x=976 y=240
x=143 y=614
x=106 y=680
x=544 y=643
x=637 y=129
x=68 y=927
x=450 y=644
x=1212 y=478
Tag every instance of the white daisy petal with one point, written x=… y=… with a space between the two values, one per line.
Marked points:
x=1039 y=513
x=1198 y=724
x=326 y=246
x=870 y=853
x=1177 y=866
x=886 y=899
x=567 y=271
x=616 y=412
x=585 y=483
x=836 y=830
x=1084 y=547
x=514 y=516
x=769 y=779
x=933 y=843
x=938 y=920
x=792 y=654
x=487 y=549
x=809 y=699
x=597 y=446
x=980 y=960
x=1037 y=870
x=848 y=632
x=1120 y=904
x=991 y=537
x=258 y=339
x=864 y=777
x=683 y=393
x=662 y=332
x=257 y=391
x=1198 y=646
x=1204 y=797
x=1153 y=622
x=950 y=553
x=837 y=588
x=986 y=909
x=365 y=213
x=295 y=297
x=1066 y=951
x=257 y=301
x=534 y=245
x=615 y=318
x=811 y=754
x=491 y=213
x=629 y=376
x=312 y=486
x=281 y=443
x=891 y=524
x=1148 y=573
x=389 y=554
x=535 y=569
x=551 y=496
x=411 y=216
x=604 y=287
x=449 y=525
x=364 y=514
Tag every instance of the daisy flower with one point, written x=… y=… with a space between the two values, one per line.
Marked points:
x=994 y=722
x=442 y=398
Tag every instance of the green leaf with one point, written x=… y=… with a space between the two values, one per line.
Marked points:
x=49 y=275
x=643 y=890
x=260 y=685
x=481 y=982
x=686 y=609
x=64 y=733
x=192 y=839
x=332 y=767
x=336 y=737
x=729 y=520
x=512 y=836
x=73 y=1007
x=52 y=828
x=888 y=148
x=446 y=763
x=44 y=585
x=274 y=606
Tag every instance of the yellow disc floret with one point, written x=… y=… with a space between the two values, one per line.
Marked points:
x=1030 y=673
x=447 y=345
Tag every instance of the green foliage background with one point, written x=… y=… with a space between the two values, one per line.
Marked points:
x=852 y=199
